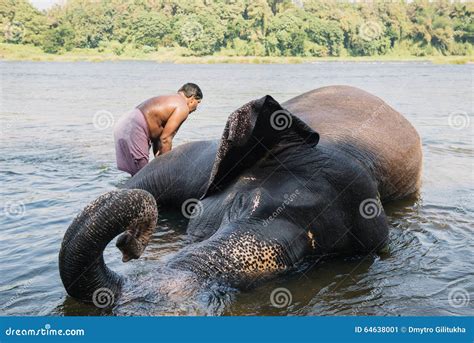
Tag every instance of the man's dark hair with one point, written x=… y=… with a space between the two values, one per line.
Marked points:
x=191 y=89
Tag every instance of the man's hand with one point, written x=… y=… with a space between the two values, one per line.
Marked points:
x=156 y=147
x=172 y=125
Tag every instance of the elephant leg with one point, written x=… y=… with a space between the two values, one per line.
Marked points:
x=369 y=226
x=371 y=230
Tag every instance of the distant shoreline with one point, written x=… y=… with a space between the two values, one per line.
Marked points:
x=14 y=52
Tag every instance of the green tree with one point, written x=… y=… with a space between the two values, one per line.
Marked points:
x=149 y=28
x=325 y=33
x=58 y=38
x=21 y=23
x=245 y=27
x=286 y=35
x=201 y=34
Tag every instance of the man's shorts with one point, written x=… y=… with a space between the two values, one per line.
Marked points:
x=132 y=142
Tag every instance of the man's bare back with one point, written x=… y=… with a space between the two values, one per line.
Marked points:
x=155 y=120
x=159 y=109
x=164 y=115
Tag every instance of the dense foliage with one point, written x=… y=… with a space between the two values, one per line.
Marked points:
x=245 y=27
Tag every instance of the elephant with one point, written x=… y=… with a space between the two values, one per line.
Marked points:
x=286 y=182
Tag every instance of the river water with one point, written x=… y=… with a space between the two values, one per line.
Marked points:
x=54 y=161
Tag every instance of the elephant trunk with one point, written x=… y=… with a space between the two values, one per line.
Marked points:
x=81 y=262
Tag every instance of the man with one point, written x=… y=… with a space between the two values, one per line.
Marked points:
x=153 y=122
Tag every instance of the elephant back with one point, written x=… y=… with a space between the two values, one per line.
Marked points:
x=352 y=119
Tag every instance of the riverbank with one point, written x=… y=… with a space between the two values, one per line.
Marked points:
x=14 y=52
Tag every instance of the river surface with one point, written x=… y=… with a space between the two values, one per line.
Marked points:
x=55 y=159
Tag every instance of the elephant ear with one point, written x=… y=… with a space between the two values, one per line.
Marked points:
x=251 y=131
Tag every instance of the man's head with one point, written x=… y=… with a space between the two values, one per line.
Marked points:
x=193 y=95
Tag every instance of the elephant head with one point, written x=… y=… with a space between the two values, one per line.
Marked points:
x=269 y=195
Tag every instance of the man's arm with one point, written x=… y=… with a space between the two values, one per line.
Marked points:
x=171 y=127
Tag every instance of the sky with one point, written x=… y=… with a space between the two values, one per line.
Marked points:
x=44 y=4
